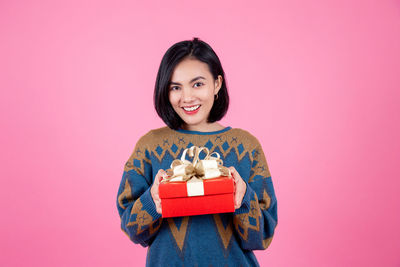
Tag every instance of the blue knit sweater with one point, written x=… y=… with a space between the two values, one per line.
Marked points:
x=225 y=239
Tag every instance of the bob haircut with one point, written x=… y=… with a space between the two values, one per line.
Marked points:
x=195 y=49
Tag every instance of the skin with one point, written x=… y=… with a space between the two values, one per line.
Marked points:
x=184 y=91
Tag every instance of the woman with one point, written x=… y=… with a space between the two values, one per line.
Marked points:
x=191 y=97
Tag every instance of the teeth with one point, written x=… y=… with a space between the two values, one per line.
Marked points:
x=192 y=108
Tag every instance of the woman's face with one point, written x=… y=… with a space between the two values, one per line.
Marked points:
x=191 y=92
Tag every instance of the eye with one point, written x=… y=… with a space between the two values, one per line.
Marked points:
x=199 y=83
x=173 y=87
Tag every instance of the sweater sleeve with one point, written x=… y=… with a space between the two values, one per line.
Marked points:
x=256 y=219
x=139 y=218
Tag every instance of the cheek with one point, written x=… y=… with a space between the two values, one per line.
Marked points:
x=174 y=100
x=207 y=95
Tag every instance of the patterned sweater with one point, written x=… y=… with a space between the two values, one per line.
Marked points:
x=225 y=239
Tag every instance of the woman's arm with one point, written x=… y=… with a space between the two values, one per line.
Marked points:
x=256 y=219
x=140 y=220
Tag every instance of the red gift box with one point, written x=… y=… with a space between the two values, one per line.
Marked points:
x=208 y=196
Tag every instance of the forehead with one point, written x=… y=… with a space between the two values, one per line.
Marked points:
x=188 y=69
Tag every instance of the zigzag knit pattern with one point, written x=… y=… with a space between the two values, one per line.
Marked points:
x=225 y=239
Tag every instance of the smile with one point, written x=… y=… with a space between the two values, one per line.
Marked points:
x=193 y=108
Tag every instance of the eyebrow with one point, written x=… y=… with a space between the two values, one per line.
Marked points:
x=192 y=80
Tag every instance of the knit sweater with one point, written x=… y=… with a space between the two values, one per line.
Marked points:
x=224 y=239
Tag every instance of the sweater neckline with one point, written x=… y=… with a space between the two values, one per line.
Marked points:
x=203 y=133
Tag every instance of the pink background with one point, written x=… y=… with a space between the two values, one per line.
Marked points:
x=319 y=81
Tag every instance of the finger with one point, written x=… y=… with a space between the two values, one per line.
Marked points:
x=236 y=197
x=159 y=207
x=232 y=170
x=237 y=177
x=159 y=176
x=156 y=182
x=158 y=204
x=162 y=174
x=234 y=173
x=237 y=200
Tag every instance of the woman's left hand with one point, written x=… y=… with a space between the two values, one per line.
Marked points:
x=240 y=187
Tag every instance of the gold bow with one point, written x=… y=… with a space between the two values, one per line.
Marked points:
x=207 y=168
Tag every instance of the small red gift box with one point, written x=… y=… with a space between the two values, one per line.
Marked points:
x=197 y=197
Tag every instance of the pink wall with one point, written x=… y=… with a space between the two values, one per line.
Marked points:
x=320 y=80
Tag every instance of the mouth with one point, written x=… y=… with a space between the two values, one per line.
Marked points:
x=191 y=108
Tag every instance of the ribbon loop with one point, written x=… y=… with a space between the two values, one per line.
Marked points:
x=207 y=168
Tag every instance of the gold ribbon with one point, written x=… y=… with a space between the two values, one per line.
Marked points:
x=207 y=168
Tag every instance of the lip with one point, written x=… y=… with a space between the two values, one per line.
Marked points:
x=191 y=112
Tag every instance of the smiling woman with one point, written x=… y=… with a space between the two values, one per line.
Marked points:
x=191 y=97
x=191 y=74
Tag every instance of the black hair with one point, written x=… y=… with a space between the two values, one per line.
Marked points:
x=195 y=49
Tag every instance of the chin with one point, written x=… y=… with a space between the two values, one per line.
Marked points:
x=192 y=122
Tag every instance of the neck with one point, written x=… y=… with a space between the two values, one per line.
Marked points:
x=210 y=127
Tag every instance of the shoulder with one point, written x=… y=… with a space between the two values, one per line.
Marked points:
x=153 y=136
x=161 y=132
x=246 y=137
x=251 y=143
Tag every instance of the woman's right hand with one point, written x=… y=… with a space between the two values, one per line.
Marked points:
x=154 y=189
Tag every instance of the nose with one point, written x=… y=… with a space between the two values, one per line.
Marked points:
x=187 y=95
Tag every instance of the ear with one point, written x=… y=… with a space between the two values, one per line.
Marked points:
x=217 y=84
